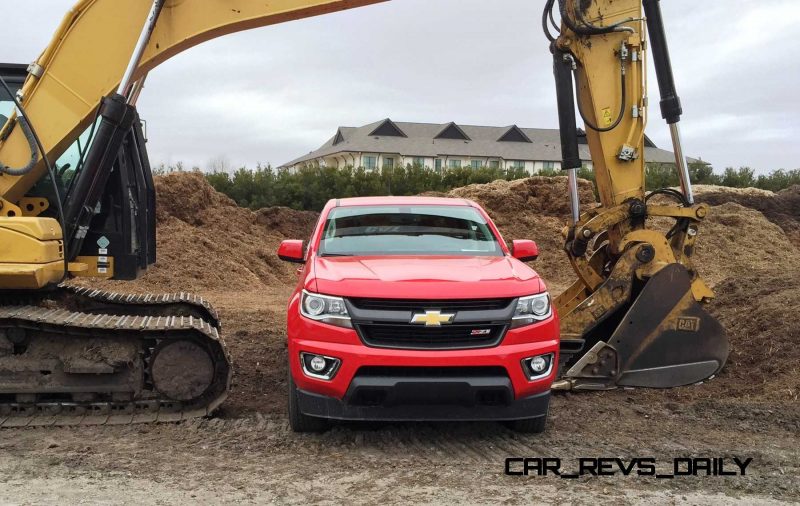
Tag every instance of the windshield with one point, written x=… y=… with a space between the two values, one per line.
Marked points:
x=66 y=166
x=407 y=230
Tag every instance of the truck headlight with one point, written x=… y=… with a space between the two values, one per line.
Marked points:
x=324 y=308
x=532 y=309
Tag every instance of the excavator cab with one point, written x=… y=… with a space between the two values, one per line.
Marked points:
x=117 y=241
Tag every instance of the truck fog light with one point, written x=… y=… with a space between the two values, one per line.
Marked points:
x=319 y=366
x=538 y=364
x=538 y=367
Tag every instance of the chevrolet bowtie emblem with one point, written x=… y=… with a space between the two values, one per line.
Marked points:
x=432 y=318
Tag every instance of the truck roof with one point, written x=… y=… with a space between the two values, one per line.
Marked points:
x=400 y=201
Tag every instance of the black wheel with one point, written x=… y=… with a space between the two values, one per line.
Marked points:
x=297 y=420
x=529 y=425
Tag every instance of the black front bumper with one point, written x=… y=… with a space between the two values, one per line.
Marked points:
x=404 y=398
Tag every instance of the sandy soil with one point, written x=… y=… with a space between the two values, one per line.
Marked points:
x=246 y=453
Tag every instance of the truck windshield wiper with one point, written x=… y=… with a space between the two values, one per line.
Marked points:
x=338 y=255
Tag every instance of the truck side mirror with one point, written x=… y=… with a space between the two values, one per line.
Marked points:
x=524 y=250
x=291 y=251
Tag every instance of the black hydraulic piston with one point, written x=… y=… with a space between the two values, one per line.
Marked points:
x=565 y=96
x=671 y=109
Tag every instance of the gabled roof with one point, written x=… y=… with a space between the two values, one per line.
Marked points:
x=388 y=129
x=423 y=140
x=452 y=131
x=514 y=134
x=339 y=137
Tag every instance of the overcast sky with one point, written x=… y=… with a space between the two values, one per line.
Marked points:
x=272 y=94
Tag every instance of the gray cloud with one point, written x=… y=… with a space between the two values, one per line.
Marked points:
x=272 y=94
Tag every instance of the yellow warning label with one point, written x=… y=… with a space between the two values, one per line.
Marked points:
x=607 y=119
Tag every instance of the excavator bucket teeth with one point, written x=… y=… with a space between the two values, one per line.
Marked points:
x=666 y=339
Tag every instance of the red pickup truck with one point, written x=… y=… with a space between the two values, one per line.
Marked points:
x=414 y=309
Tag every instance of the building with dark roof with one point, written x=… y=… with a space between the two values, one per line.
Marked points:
x=387 y=143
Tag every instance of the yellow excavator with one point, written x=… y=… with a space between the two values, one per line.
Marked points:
x=77 y=200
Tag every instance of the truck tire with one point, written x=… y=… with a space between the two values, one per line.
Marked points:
x=529 y=425
x=297 y=420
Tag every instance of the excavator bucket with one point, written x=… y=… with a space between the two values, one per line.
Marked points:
x=665 y=339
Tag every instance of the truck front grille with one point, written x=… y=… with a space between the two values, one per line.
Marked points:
x=446 y=337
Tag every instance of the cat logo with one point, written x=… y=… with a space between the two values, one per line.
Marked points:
x=688 y=324
x=432 y=318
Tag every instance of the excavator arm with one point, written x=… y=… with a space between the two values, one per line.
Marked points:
x=634 y=316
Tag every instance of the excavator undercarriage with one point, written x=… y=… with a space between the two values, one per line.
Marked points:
x=72 y=355
x=84 y=356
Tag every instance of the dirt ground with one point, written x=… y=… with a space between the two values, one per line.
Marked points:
x=246 y=452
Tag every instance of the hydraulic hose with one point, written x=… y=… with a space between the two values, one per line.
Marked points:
x=31 y=138
x=620 y=116
x=547 y=13
x=552 y=18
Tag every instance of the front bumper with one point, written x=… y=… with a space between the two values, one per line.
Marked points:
x=322 y=406
x=454 y=398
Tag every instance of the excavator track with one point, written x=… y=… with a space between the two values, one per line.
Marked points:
x=94 y=300
x=81 y=356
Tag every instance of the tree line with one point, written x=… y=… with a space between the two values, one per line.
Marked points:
x=309 y=188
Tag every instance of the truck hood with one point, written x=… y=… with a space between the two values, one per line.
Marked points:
x=421 y=278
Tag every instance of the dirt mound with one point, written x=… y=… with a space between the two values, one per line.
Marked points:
x=205 y=242
x=287 y=222
x=758 y=309
x=782 y=208
x=188 y=197
x=544 y=195
x=735 y=240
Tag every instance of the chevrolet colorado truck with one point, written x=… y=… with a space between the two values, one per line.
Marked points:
x=415 y=309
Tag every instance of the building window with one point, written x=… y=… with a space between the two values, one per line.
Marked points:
x=549 y=165
x=517 y=164
x=454 y=164
x=388 y=162
x=419 y=161
x=476 y=164
x=494 y=164
x=370 y=162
